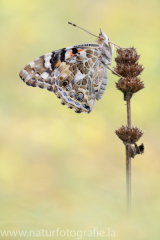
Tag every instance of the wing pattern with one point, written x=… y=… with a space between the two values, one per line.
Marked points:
x=75 y=74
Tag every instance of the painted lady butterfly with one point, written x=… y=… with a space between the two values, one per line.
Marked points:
x=77 y=74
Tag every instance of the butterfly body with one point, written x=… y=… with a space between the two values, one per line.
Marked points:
x=77 y=74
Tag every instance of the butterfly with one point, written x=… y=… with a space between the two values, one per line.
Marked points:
x=77 y=74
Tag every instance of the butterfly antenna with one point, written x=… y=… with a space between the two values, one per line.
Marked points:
x=119 y=46
x=82 y=29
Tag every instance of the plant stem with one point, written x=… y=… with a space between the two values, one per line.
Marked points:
x=129 y=113
x=128 y=161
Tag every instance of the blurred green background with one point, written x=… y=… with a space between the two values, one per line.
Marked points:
x=67 y=170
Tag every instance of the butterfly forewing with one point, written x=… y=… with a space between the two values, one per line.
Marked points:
x=75 y=74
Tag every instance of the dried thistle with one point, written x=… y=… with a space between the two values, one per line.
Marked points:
x=129 y=135
x=129 y=70
x=129 y=85
x=126 y=62
x=127 y=55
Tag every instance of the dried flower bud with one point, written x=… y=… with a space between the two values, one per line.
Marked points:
x=126 y=63
x=129 y=85
x=127 y=55
x=129 y=135
x=128 y=69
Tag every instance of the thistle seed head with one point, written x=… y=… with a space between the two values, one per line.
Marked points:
x=127 y=55
x=129 y=85
x=128 y=69
x=129 y=135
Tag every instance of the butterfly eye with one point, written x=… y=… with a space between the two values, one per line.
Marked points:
x=80 y=96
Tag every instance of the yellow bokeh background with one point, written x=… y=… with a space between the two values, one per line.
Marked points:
x=67 y=170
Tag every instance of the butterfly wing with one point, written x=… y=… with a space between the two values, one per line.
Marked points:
x=75 y=74
x=38 y=73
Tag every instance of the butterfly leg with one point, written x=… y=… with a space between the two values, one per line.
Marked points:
x=115 y=72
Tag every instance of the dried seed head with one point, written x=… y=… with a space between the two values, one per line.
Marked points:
x=128 y=69
x=126 y=62
x=129 y=135
x=127 y=55
x=129 y=85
